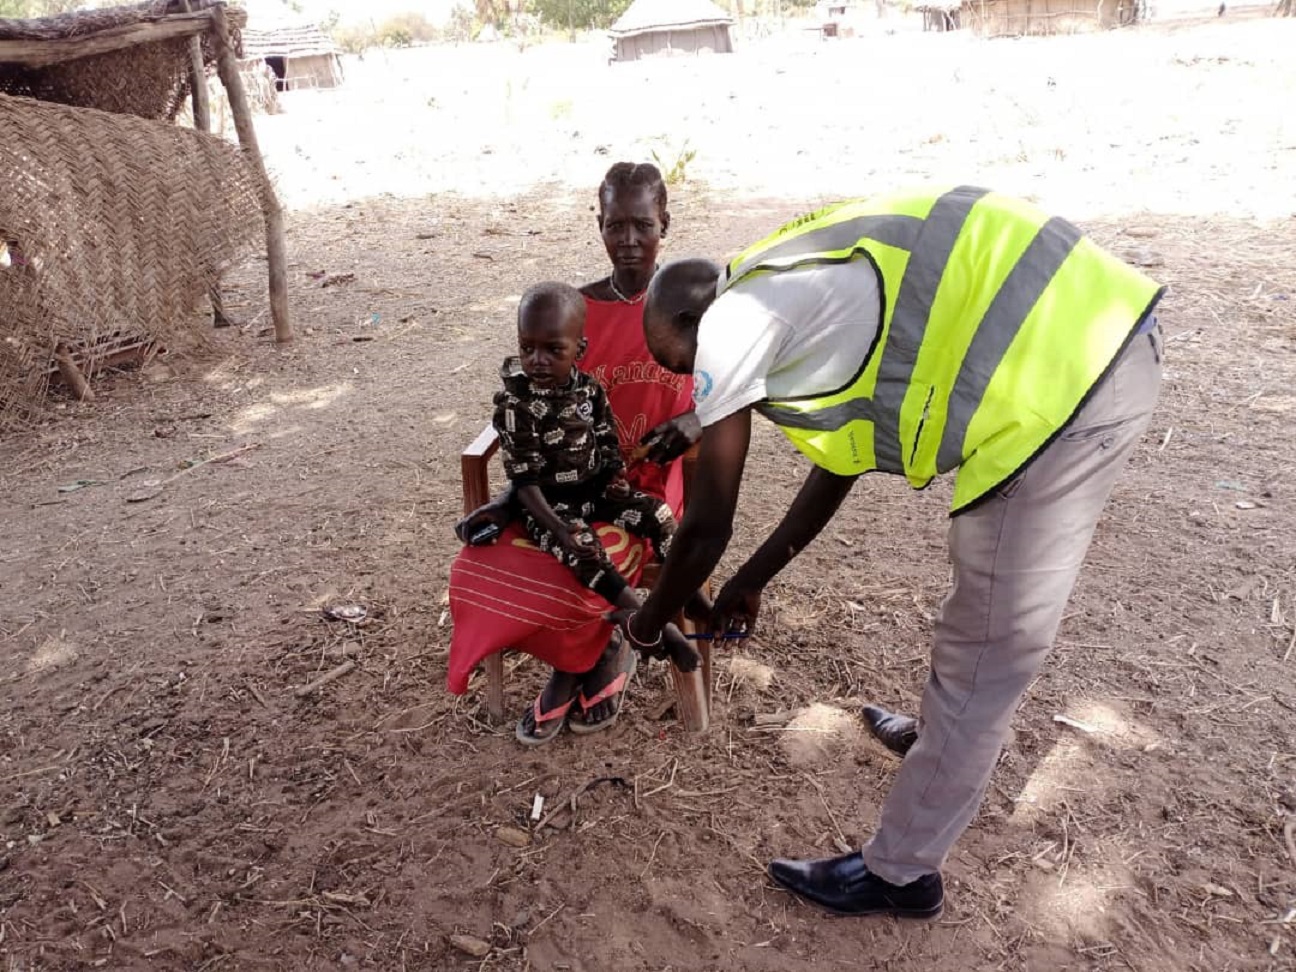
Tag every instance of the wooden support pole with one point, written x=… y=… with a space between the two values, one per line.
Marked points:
x=276 y=251
x=202 y=123
x=72 y=375
x=198 y=84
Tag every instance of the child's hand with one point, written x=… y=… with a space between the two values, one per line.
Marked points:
x=492 y=514
x=581 y=544
x=619 y=487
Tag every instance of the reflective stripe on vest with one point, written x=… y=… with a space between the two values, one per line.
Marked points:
x=1001 y=323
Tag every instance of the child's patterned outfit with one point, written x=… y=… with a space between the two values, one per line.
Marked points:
x=564 y=440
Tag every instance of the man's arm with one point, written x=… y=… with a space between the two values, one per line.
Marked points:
x=708 y=522
x=818 y=501
x=738 y=604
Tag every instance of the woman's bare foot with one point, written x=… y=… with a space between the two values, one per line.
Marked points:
x=556 y=697
x=614 y=661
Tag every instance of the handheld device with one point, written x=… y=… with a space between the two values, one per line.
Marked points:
x=487 y=534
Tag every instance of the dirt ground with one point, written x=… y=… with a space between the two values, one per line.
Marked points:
x=168 y=800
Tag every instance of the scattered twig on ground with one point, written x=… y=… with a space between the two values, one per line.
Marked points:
x=543 y=921
x=324 y=679
x=173 y=893
x=653 y=856
x=35 y=772
x=220 y=761
x=667 y=785
x=256 y=694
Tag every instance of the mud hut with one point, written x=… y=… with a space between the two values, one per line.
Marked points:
x=652 y=27
x=299 y=54
x=1017 y=18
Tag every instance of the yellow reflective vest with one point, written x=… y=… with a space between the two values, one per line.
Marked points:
x=997 y=323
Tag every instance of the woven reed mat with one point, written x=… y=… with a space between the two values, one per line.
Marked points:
x=112 y=223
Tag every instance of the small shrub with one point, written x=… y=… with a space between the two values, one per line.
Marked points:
x=677 y=171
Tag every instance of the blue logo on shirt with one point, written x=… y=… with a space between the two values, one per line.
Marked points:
x=702 y=385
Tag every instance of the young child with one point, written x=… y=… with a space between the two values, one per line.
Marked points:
x=560 y=449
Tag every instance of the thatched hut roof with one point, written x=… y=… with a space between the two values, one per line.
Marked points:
x=645 y=16
x=287 y=40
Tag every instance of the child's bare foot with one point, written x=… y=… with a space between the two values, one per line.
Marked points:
x=698 y=608
x=678 y=649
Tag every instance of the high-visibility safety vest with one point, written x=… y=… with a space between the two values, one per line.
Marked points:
x=997 y=323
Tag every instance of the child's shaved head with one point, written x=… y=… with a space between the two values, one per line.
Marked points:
x=555 y=301
x=551 y=332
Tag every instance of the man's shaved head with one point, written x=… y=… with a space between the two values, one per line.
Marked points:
x=678 y=296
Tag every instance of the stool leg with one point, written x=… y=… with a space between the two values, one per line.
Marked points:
x=704 y=648
x=692 y=689
x=495 y=686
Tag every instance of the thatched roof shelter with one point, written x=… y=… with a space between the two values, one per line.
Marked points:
x=117 y=227
x=113 y=221
x=132 y=60
x=651 y=27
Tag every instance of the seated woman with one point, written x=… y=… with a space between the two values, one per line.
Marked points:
x=511 y=595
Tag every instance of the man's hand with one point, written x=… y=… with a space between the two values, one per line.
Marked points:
x=671 y=439
x=736 y=608
x=739 y=602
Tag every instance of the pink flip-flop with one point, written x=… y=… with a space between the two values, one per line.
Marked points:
x=555 y=717
x=616 y=687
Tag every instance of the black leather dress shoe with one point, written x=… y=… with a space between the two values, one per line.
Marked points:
x=845 y=886
x=896 y=732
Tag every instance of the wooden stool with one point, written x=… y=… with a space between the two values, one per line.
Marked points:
x=692 y=689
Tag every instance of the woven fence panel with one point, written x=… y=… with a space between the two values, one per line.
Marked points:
x=113 y=224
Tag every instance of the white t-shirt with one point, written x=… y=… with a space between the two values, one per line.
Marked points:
x=785 y=335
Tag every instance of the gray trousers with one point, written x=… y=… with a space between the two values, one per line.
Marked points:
x=1016 y=558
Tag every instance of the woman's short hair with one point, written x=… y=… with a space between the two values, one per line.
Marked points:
x=630 y=175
